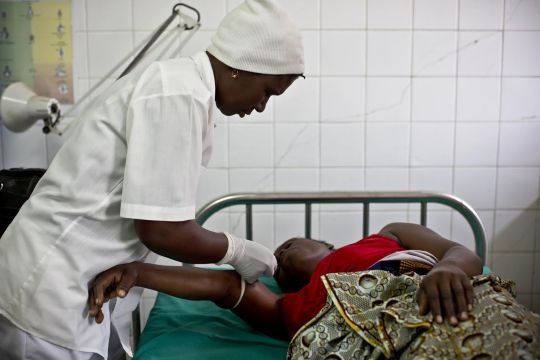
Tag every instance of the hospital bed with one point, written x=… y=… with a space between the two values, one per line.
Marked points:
x=178 y=328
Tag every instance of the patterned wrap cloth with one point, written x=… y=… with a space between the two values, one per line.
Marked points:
x=374 y=315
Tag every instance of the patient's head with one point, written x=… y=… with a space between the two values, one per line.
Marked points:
x=297 y=259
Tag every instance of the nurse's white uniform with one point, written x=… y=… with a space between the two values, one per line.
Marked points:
x=137 y=153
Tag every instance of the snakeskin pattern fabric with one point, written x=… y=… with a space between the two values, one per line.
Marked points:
x=374 y=315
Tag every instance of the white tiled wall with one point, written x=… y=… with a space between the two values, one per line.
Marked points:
x=437 y=95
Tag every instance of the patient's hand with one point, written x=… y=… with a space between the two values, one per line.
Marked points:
x=115 y=282
x=447 y=290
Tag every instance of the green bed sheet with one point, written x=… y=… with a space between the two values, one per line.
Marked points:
x=183 y=329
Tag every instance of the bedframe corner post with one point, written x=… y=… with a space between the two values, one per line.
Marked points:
x=423 y=213
x=249 y=222
x=365 y=223
x=308 y=221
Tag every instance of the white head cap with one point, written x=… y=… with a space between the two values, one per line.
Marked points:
x=258 y=36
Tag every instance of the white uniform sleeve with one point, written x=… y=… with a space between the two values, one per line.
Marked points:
x=163 y=161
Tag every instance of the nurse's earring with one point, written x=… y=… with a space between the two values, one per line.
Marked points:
x=234 y=73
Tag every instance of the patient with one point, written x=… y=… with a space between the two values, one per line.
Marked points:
x=315 y=295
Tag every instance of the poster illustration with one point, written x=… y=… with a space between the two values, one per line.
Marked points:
x=36 y=47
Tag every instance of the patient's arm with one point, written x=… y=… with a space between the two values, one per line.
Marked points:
x=446 y=289
x=260 y=307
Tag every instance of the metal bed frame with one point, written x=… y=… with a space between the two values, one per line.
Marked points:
x=342 y=197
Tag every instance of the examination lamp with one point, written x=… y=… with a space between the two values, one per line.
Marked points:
x=20 y=108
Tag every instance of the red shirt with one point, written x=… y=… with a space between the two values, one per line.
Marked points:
x=299 y=307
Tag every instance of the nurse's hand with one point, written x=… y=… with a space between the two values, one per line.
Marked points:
x=249 y=259
x=115 y=282
x=446 y=291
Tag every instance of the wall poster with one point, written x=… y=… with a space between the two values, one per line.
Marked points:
x=36 y=47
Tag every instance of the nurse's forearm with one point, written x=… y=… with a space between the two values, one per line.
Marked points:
x=221 y=287
x=184 y=241
x=259 y=306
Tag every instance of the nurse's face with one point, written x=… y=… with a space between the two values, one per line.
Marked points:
x=297 y=259
x=248 y=91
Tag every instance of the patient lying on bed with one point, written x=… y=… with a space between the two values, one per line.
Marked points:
x=338 y=301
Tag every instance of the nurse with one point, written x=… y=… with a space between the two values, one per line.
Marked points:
x=123 y=186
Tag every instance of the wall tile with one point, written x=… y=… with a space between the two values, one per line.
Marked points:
x=342 y=145
x=80 y=55
x=341 y=228
x=435 y=14
x=106 y=50
x=519 y=144
x=434 y=53
x=387 y=179
x=31 y=154
x=248 y=180
x=388 y=99
x=515 y=266
x=535 y=302
x=517 y=187
x=311 y=42
x=337 y=59
x=522 y=15
x=387 y=144
x=218 y=222
x=488 y=221
x=192 y=43
x=433 y=99
x=388 y=52
x=289 y=225
x=343 y=14
x=478 y=99
x=78 y=15
x=379 y=219
x=122 y=19
x=476 y=186
x=53 y=142
x=524 y=299
x=250 y=145
x=166 y=47
x=389 y=14
x=212 y=184
x=437 y=179
x=473 y=150
x=481 y=14
x=432 y=144
x=150 y=15
x=520 y=99
x=521 y=53
x=297 y=179
x=300 y=103
x=342 y=179
x=462 y=232
x=438 y=221
x=263 y=227
x=479 y=53
x=536 y=279
x=342 y=99
x=514 y=230
x=296 y=145
x=304 y=13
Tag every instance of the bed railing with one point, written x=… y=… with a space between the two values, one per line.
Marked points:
x=341 y=197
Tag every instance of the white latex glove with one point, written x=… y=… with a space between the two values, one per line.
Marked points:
x=248 y=258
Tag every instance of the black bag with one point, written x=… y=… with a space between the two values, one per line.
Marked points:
x=16 y=185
